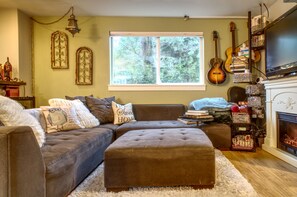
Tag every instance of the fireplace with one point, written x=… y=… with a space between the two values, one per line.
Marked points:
x=287 y=132
x=281 y=119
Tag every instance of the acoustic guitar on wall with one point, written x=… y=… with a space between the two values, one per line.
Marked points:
x=231 y=51
x=216 y=74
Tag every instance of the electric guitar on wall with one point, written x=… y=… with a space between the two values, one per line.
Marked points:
x=216 y=74
x=231 y=51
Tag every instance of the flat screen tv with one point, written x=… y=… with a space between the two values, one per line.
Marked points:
x=281 y=45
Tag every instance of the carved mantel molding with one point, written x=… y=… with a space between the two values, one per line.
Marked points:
x=289 y=103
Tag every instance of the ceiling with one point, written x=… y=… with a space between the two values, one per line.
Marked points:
x=146 y=8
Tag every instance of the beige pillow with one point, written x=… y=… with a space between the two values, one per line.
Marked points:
x=122 y=113
x=60 y=119
x=87 y=119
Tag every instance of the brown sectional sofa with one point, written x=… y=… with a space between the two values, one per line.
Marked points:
x=68 y=157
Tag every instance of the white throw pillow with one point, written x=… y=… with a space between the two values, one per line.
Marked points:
x=13 y=114
x=60 y=118
x=122 y=113
x=86 y=118
x=37 y=113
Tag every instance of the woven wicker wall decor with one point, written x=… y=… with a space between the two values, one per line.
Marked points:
x=59 y=50
x=84 y=66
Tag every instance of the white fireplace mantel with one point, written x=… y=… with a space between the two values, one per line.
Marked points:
x=281 y=96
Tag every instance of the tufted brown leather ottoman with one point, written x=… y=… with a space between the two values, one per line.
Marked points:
x=160 y=157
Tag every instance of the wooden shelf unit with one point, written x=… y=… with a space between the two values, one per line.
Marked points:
x=251 y=35
x=12 y=91
x=26 y=101
x=11 y=88
x=12 y=83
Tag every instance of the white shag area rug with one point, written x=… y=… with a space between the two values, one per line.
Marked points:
x=229 y=183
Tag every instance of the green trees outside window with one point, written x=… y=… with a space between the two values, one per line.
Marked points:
x=155 y=59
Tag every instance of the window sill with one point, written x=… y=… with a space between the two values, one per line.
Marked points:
x=167 y=87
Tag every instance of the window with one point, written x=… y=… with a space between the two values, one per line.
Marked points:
x=156 y=61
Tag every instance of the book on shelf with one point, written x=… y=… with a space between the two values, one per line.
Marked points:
x=194 y=121
x=197 y=116
x=187 y=121
x=196 y=112
x=240 y=70
x=203 y=119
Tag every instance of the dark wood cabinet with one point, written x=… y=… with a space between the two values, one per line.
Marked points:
x=27 y=101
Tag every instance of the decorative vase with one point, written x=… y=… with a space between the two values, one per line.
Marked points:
x=7 y=70
x=1 y=73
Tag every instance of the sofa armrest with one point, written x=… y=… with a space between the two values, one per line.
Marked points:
x=22 y=171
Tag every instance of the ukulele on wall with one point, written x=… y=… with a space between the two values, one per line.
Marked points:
x=216 y=74
x=231 y=51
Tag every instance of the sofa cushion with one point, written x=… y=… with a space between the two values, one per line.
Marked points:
x=69 y=156
x=109 y=126
x=86 y=118
x=101 y=108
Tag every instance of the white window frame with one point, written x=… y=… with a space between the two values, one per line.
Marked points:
x=161 y=86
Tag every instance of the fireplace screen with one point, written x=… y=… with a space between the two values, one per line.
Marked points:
x=287 y=132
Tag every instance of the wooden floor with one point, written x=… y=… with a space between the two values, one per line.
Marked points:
x=268 y=175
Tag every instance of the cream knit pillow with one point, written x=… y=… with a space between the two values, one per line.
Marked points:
x=122 y=113
x=13 y=114
x=86 y=119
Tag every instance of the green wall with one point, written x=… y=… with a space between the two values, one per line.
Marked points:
x=49 y=83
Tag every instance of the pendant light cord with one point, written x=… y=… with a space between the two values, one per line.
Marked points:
x=70 y=9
